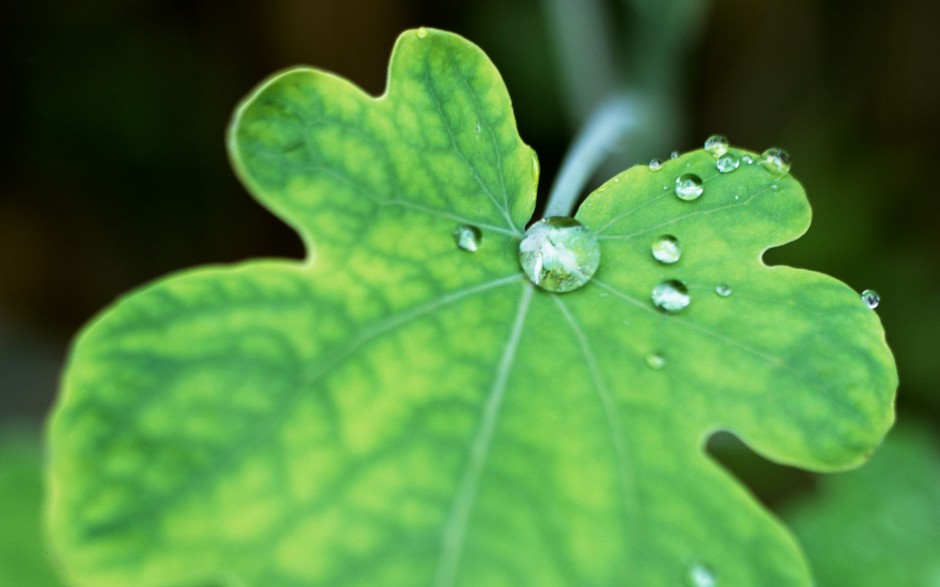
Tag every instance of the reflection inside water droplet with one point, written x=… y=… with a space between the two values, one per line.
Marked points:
x=666 y=249
x=559 y=254
x=689 y=187
x=700 y=575
x=723 y=289
x=871 y=298
x=717 y=145
x=776 y=161
x=655 y=361
x=727 y=163
x=671 y=296
x=468 y=237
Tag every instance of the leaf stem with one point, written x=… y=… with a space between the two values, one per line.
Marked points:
x=606 y=128
x=585 y=53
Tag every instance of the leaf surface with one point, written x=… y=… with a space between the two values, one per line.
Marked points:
x=395 y=410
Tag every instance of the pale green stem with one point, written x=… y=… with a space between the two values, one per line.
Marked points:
x=584 y=51
x=648 y=117
x=615 y=118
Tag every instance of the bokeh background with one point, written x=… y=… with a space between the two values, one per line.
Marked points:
x=113 y=169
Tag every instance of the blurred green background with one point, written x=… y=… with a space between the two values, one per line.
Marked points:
x=114 y=169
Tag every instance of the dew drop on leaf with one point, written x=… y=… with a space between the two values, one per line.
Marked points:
x=467 y=237
x=700 y=575
x=717 y=145
x=559 y=254
x=689 y=187
x=776 y=161
x=674 y=155
x=871 y=298
x=656 y=165
x=655 y=361
x=723 y=289
x=666 y=249
x=671 y=296
x=422 y=33
x=727 y=163
x=748 y=160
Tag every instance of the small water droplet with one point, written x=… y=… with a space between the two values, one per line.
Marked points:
x=776 y=161
x=617 y=179
x=559 y=254
x=737 y=197
x=689 y=187
x=655 y=361
x=671 y=296
x=774 y=187
x=723 y=289
x=666 y=249
x=479 y=128
x=700 y=575
x=727 y=163
x=871 y=298
x=748 y=160
x=603 y=294
x=656 y=165
x=422 y=33
x=717 y=145
x=674 y=155
x=665 y=188
x=467 y=237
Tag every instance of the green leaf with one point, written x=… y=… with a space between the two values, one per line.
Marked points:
x=879 y=525
x=396 y=410
x=23 y=556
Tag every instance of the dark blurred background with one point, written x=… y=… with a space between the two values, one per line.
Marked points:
x=114 y=169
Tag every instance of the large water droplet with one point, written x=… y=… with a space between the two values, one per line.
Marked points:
x=689 y=187
x=776 y=161
x=717 y=145
x=655 y=361
x=723 y=289
x=559 y=254
x=656 y=165
x=700 y=575
x=467 y=237
x=871 y=298
x=671 y=296
x=666 y=249
x=727 y=163
x=422 y=33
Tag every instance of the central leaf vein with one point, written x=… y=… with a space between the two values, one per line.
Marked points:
x=456 y=527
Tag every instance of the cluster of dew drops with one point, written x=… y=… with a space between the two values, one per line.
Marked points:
x=559 y=254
